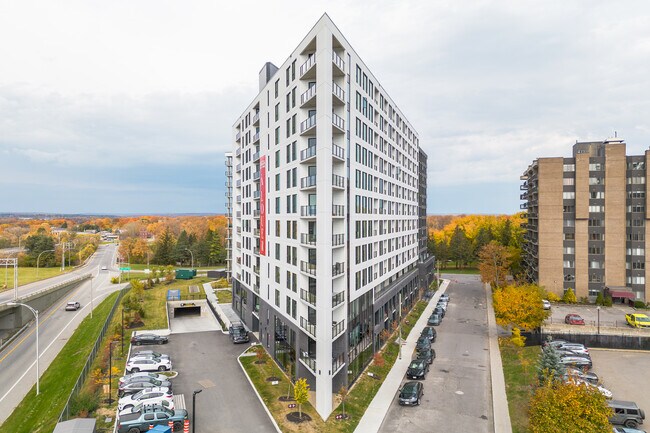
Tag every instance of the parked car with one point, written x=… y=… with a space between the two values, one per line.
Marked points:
x=411 y=394
x=426 y=354
x=555 y=343
x=150 y=353
x=430 y=333
x=148 y=364
x=423 y=343
x=72 y=306
x=142 y=376
x=546 y=304
x=637 y=320
x=442 y=305
x=574 y=347
x=150 y=415
x=586 y=376
x=434 y=320
x=627 y=430
x=238 y=333
x=140 y=339
x=626 y=413
x=574 y=319
x=148 y=396
x=138 y=407
x=104 y=268
x=576 y=361
x=567 y=352
x=418 y=369
x=439 y=311
x=445 y=297
x=139 y=385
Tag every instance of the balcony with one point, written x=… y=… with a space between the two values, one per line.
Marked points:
x=338 y=181
x=338 y=269
x=308 y=268
x=338 y=123
x=256 y=118
x=308 y=154
x=337 y=299
x=256 y=251
x=310 y=328
x=256 y=137
x=339 y=94
x=256 y=270
x=256 y=232
x=238 y=184
x=308 y=211
x=307 y=69
x=256 y=288
x=256 y=194
x=338 y=328
x=238 y=214
x=308 y=98
x=338 y=240
x=238 y=138
x=308 y=182
x=256 y=156
x=308 y=239
x=309 y=298
x=340 y=64
x=338 y=152
x=256 y=213
x=239 y=199
x=308 y=124
x=256 y=175
x=238 y=168
x=338 y=210
x=337 y=363
x=238 y=152
x=238 y=230
x=308 y=361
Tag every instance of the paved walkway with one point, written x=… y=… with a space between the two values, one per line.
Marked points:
x=499 y=398
x=380 y=404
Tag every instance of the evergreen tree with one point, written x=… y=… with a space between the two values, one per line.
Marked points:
x=35 y=245
x=202 y=249
x=483 y=237
x=459 y=247
x=164 y=248
x=217 y=249
x=505 y=236
x=180 y=250
x=549 y=365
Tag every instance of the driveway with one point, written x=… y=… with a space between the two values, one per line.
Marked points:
x=457 y=395
x=227 y=403
x=624 y=372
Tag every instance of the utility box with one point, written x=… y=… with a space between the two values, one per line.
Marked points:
x=185 y=274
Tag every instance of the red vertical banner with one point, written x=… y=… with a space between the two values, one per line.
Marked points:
x=263 y=205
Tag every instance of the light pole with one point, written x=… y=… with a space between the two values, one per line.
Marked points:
x=35 y=312
x=598 y=310
x=191 y=255
x=400 y=325
x=39 y=258
x=198 y=391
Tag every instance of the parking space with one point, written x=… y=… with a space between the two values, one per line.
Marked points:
x=624 y=372
x=457 y=396
x=207 y=361
x=613 y=316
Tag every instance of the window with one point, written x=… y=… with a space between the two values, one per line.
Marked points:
x=596 y=181
x=636 y=194
x=569 y=195
x=569 y=250
x=569 y=209
x=636 y=165
x=277 y=87
x=567 y=167
x=595 y=264
x=277 y=111
x=636 y=223
x=595 y=250
x=595 y=223
x=277 y=298
x=277 y=182
x=636 y=208
x=277 y=205
x=568 y=181
x=277 y=158
x=638 y=180
x=636 y=280
x=277 y=135
x=569 y=264
x=595 y=236
x=595 y=167
x=277 y=228
x=597 y=208
x=569 y=236
x=597 y=195
x=635 y=252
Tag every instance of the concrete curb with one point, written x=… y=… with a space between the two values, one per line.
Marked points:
x=500 y=411
x=277 y=428
x=377 y=410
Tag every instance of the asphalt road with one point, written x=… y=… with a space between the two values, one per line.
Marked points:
x=18 y=360
x=457 y=393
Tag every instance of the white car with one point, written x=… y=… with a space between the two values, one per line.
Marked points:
x=146 y=396
x=604 y=391
x=149 y=354
x=135 y=376
x=136 y=365
x=546 y=304
x=444 y=297
x=574 y=347
x=104 y=268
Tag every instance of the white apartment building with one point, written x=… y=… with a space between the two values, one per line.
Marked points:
x=326 y=206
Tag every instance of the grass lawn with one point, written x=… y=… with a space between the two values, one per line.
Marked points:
x=452 y=269
x=519 y=369
x=28 y=275
x=143 y=266
x=37 y=414
x=224 y=296
x=356 y=403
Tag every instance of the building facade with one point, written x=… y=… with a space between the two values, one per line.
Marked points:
x=229 y=216
x=327 y=205
x=586 y=226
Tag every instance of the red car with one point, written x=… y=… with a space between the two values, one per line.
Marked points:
x=574 y=319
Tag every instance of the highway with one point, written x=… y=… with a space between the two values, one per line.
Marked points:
x=18 y=360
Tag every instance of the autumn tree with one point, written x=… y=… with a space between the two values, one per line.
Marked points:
x=519 y=306
x=301 y=393
x=559 y=406
x=343 y=394
x=569 y=297
x=494 y=261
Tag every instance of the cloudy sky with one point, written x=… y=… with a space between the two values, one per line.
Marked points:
x=127 y=106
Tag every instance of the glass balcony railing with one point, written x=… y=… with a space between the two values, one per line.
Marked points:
x=338 y=61
x=338 y=151
x=338 y=269
x=307 y=211
x=338 y=181
x=338 y=299
x=309 y=298
x=308 y=182
x=338 y=210
x=307 y=124
x=338 y=121
x=338 y=328
x=338 y=92
x=308 y=268
x=337 y=362
x=308 y=153
x=307 y=326
x=311 y=61
x=307 y=95
x=308 y=360
x=338 y=239
x=308 y=238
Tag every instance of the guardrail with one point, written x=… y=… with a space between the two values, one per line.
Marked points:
x=65 y=413
x=53 y=287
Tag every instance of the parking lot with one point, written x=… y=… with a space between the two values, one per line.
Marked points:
x=207 y=361
x=624 y=372
x=457 y=396
x=613 y=316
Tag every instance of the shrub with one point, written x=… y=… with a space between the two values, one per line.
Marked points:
x=221 y=283
x=639 y=304
x=115 y=280
x=84 y=403
x=552 y=297
x=569 y=297
x=584 y=300
x=599 y=299
x=517 y=339
x=608 y=301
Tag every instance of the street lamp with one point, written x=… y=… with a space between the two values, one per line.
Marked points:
x=192 y=255
x=110 y=372
x=598 y=309
x=198 y=391
x=39 y=258
x=35 y=312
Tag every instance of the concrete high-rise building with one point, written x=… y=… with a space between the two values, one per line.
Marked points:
x=586 y=226
x=229 y=215
x=328 y=206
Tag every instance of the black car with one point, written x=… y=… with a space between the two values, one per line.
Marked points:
x=138 y=385
x=411 y=394
x=430 y=333
x=427 y=354
x=418 y=369
x=238 y=333
x=140 y=339
x=434 y=320
x=423 y=343
x=439 y=311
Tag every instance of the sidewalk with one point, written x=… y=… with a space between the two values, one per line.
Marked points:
x=499 y=399
x=378 y=408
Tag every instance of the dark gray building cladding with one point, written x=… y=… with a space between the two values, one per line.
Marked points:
x=426 y=262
